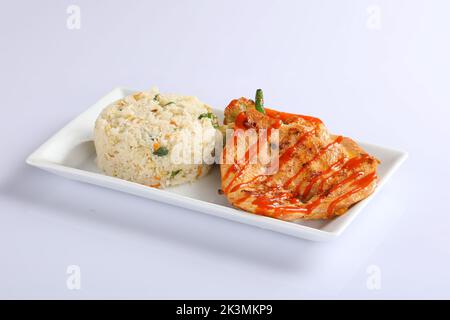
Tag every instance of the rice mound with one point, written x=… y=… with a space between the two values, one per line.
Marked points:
x=139 y=138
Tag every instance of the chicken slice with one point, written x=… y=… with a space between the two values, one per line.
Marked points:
x=319 y=175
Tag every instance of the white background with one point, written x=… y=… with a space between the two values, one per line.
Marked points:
x=387 y=84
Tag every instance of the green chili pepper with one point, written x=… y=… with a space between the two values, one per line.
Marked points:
x=259 y=101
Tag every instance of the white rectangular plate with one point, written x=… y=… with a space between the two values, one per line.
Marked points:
x=71 y=153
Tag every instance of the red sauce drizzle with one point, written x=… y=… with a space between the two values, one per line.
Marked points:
x=287 y=155
x=317 y=156
x=289 y=117
x=239 y=201
x=232 y=168
x=359 y=185
x=264 y=204
x=351 y=164
x=240 y=169
x=333 y=167
x=240 y=121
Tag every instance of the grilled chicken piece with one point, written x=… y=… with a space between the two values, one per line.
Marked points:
x=319 y=175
